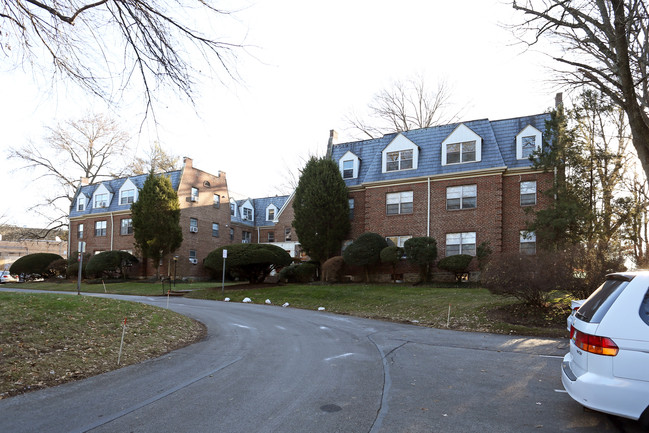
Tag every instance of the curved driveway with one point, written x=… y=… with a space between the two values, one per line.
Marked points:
x=272 y=369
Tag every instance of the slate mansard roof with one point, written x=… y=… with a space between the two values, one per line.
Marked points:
x=259 y=210
x=498 y=149
x=113 y=186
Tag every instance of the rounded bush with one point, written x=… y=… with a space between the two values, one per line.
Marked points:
x=332 y=269
x=248 y=261
x=299 y=273
x=458 y=263
x=73 y=264
x=36 y=263
x=110 y=263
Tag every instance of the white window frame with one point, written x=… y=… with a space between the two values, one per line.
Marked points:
x=247 y=214
x=246 y=237
x=465 y=242
x=101 y=200
x=401 y=154
x=351 y=208
x=193 y=225
x=528 y=193
x=128 y=227
x=399 y=160
x=527 y=242
x=100 y=228
x=271 y=236
x=348 y=169
x=399 y=201
x=81 y=203
x=287 y=234
x=461 y=137
x=463 y=193
x=127 y=196
x=217 y=201
x=271 y=211
x=528 y=132
x=194 y=194
x=344 y=165
x=80 y=231
x=398 y=240
x=462 y=152
x=215 y=230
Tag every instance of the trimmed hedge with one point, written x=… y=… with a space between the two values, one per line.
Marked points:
x=110 y=263
x=299 y=273
x=457 y=264
x=37 y=263
x=252 y=262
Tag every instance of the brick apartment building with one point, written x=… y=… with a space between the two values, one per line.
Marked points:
x=462 y=184
x=209 y=217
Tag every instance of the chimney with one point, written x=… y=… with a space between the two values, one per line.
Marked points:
x=333 y=137
x=558 y=100
x=188 y=162
x=85 y=181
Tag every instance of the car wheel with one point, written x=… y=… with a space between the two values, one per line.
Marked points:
x=644 y=419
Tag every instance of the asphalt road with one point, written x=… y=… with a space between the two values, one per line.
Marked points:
x=272 y=369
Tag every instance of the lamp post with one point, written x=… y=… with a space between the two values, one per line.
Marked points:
x=225 y=256
x=175 y=263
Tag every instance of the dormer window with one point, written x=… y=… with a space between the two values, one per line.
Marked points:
x=527 y=142
x=81 y=203
x=401 y=160
x=127 y=196
x=460 y=152
x=270 y=213
x=247 y=214
x=101 y=200
x=348 y=169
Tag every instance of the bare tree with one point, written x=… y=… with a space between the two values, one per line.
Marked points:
x=605 y=45
x=91 y=148
x=157 y=160
x=96 y=41
x=405 y=105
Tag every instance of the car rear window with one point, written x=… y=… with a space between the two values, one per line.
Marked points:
x=598 y=304
x=644 y=308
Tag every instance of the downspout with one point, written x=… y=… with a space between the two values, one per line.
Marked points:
x=112 y=231
x=428 y=213
x=258 y=235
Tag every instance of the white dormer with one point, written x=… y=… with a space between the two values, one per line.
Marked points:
x=247 y=211
x=102 y=197
x=271 y=212
x=527 y=141
x=400 y=154
x=128 y=193
x=461 y=146
x=349 y=165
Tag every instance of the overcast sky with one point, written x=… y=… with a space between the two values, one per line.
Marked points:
x=308 y=65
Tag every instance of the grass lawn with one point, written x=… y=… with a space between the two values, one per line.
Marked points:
x=49 y=339
x=141 y=288
x=471 y=309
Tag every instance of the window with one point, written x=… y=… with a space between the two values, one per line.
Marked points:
x=126 y=226
x=101 y=200
x=231 y=234
x=271 y=236
x=528 y=193
x=81 y=203
x=270 y=214
x=232 y=209
x=194 y=196
x=247 y=214
x=287 y=234
x=193 y=225
x=460 y=243
x=460 y=152
x=461 y=197
x=246 y=237
x=215 y=230
x=192 y=257
x=217 y=201
x=80 y=231
x=398 y=240
x=400 y=160
x=100 y=228
x=528 y=146
x=528 y=242
x=398 y=203
x=351 y=208
x=348 y=169
x=127 y=196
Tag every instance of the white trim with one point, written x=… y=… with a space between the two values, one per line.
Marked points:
x=398 y=144
x=462 y=134
x=528 y=131
x=356 y=164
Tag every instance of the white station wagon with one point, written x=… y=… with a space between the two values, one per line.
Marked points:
x=607 y=369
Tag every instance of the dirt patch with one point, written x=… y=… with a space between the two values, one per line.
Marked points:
x=552 y=317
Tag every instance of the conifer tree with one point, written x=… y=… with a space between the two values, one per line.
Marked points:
x=321 y=208
x=156 y=219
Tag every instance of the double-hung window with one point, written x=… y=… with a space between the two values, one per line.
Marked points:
x=100 y=228
x=270 y=214
x=460 y=243
x=247 y=214
x=127 y=196
x=348 y=169
x=398 y=240
x=271 y=236
x=400 y=160
x=246 y=237
x=215 y=230
x=194 y=194
x=398 y=203
x=81 y=203
x=193 y=225
x=101 y=200
x=126 y=226
x=351 y=208
x=528 y=242
x=287 y=234
x=528 y=193
x=460 y=152
x=231 y=234
x=80 y=231
x=461 y=197
x=217 y=201
x=528 y=146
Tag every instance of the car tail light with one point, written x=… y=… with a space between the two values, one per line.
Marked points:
x=593 y=343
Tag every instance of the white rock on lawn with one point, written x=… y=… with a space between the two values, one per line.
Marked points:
x=267 y=301
x=247 y=300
